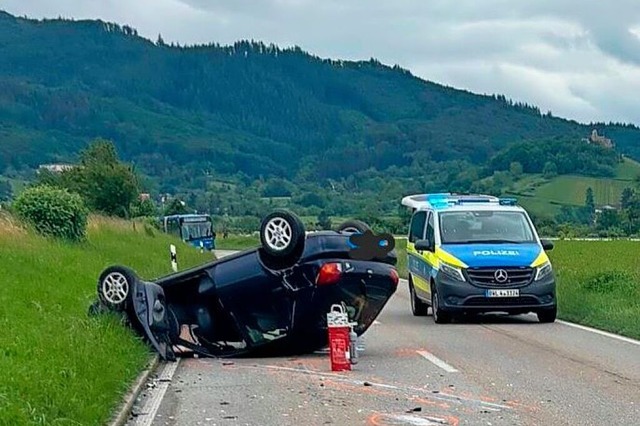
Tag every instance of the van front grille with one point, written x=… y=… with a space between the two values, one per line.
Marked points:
x=489 y=277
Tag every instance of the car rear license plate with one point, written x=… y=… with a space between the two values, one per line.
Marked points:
x=503 y=293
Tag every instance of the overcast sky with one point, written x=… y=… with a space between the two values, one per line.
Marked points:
x=578 y=58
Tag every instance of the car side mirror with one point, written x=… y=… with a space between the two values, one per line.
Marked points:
x=424 y=245
x=547 y=245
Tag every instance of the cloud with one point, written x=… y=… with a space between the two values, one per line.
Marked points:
x=578 y=58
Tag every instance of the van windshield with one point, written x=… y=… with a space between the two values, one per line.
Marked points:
x=483 y=226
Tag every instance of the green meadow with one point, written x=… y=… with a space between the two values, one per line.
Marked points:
x=59 y=365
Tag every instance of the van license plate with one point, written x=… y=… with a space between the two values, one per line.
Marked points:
x=503 y=293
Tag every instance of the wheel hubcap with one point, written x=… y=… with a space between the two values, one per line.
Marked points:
x=115 y=288
x=278 y=233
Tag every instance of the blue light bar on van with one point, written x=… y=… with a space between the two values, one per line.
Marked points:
x=476 y=200
x=446 y=199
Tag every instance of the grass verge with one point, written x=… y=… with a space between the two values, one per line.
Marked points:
x=598 y=283
x=61 y=366
x=237 y=242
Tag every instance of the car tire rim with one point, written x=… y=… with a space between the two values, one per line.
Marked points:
x=351 y=230
x=278 y=234
x=115 y=288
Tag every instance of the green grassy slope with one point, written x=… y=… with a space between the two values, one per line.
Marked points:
x=59 y=365
x=250 y=107
x=545 y=196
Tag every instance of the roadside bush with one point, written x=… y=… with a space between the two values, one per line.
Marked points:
x=53 y=212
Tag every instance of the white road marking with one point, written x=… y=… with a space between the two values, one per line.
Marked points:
x=151 y=407
x=602 y=333
x=415 y=420
x=437 y=361
x=585 y=328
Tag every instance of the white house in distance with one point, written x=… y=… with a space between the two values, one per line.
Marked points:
x=56 y=168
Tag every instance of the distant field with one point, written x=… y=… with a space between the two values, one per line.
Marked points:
x=598 y=283
x=545 y=197
x=60 y=366
x=628 y=170
x=572 y=190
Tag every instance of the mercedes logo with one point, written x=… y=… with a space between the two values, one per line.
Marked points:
x=501 y=276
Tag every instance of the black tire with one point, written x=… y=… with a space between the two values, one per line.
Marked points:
x=353 y=226
x=547 y=315
x=439 y=316
x=282 y=234
x=418 y=307
x=115 y=287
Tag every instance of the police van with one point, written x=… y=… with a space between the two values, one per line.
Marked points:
x=476 y=253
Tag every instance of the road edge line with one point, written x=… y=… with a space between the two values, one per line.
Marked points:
x=130 y=398
x=586 y=328
x=600 y=332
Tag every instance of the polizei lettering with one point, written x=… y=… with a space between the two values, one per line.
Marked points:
x=496 y=253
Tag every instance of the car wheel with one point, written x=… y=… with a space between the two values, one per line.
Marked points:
x=282 y=234
x=547 y=315
x=418 y=307
x=115 y=286
x=439 y=316
x=354 y=226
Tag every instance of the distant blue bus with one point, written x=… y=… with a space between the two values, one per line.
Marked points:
x=194 y=229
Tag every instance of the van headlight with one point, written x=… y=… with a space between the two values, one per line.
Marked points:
x=452 y=272
x=543 y=270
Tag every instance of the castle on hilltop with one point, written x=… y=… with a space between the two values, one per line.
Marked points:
x=595 y=138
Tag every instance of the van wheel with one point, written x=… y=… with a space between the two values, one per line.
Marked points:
x=547 y=315
x=439 y=316
x=418 y=307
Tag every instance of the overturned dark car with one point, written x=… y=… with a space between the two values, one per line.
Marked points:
x=270 y=300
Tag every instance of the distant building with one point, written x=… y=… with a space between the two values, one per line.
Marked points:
x=595 y=138
x=56 y=168
x=144 y=196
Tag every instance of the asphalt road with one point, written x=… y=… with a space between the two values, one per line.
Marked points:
x=490 y=371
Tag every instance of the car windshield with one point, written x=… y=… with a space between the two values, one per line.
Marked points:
x=482 y=226
x=196 y=230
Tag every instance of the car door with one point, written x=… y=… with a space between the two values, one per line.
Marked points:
x=416 y=262
x=430 y=256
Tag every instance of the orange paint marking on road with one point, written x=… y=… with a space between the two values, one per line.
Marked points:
x=427 y=401
x=384 y=419
x=361 y=389
x=407 y=352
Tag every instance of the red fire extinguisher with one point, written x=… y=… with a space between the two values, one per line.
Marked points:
x=339 y=339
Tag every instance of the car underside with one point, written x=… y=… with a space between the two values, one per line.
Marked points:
x=270 y=300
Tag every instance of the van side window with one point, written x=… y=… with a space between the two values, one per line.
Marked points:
x=430 y=235
x=416 y=231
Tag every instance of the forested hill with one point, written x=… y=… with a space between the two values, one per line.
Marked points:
x=250 y=107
